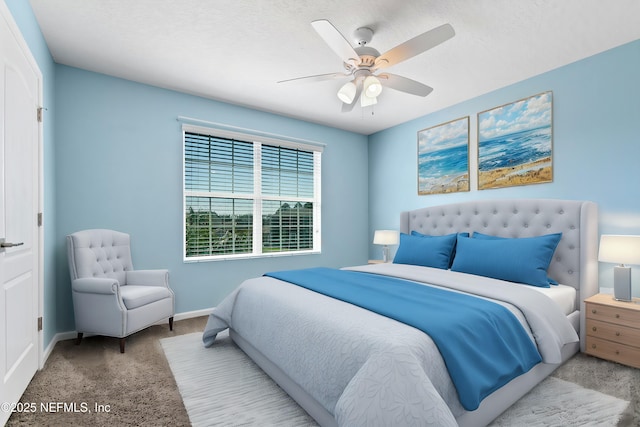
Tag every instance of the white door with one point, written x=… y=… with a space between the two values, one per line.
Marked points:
x=19 y=204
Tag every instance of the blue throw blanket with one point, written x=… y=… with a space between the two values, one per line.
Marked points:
x=482 y=343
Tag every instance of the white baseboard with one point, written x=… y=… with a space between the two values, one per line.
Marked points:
x=69 y=335
x=190 y=314
x=61 y=336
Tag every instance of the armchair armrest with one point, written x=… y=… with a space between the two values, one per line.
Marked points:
x=148 y=277
x=95 y=285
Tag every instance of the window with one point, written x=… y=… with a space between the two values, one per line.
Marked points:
x=246 y=196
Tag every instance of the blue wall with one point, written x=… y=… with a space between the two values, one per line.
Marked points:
x=596 y=147
x=112 y=158
x=119 y=166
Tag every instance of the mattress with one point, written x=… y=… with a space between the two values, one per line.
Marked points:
x=564 y=296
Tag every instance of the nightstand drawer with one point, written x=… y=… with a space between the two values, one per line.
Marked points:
x=616 y=352
x=613 y=332
x=613 y=314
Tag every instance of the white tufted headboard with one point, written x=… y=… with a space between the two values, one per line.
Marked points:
x=575 y=262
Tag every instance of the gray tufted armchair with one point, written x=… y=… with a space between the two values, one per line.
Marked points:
x=109 y=297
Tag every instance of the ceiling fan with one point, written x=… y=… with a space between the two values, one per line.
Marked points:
x=362 y=64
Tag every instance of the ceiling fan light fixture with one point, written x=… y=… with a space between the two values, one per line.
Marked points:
x=363 y=61
x=366 y=101
x=372 y=87
x=347 y=92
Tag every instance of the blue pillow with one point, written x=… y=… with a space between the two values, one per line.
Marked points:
x=477 y=235
x=453 y=252
x=432 y=251
x=523 y=260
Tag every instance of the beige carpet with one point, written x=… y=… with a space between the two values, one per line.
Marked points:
x=140 y=389
x=137 y=385
x=221 y=386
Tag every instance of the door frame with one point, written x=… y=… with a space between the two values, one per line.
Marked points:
x=6 y=15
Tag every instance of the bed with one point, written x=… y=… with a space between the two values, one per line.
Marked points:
x=346 y=365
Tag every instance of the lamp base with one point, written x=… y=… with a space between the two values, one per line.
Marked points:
x=385 y=253
x=622 y=283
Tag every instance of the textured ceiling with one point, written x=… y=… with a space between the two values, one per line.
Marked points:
x=237 y=51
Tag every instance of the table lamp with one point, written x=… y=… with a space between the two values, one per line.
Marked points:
x=385 y=238
x=620 y=250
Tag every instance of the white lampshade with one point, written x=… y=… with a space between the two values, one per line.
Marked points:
x=385 y=237
x=347 y=92
x=619 y=249
x=371 y=87
x=366 y=101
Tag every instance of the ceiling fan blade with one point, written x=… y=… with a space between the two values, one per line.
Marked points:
x=404 y=84
x=415 y=46
x=316 y=78
x=348 y=107
x=336 y=41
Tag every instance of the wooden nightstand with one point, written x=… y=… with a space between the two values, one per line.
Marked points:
x=613 y=329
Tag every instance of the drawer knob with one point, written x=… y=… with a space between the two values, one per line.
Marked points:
x=593 y=311
x=617 y=352
x=594 y=329
x=617 y=316
x=617 y=334
x=593 y=346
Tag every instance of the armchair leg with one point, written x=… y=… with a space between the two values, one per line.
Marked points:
x=79 y=339
x=171 y=323
x=122 y=341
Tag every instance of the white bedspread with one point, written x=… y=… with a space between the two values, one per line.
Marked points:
x=364 y=368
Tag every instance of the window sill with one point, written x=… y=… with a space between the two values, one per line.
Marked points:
x=247 y=256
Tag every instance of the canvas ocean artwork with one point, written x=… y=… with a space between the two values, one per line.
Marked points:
x=443 y=158
x=515 y=143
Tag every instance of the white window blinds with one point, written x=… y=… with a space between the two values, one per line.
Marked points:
x=248 y=198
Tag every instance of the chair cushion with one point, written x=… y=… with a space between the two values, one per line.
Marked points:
x=136 y=296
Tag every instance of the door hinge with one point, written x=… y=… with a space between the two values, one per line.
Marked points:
x=40 y=323
x=40 y=114
x=39 y=219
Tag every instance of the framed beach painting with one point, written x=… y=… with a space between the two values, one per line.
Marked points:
x=515 y=143
x=443 y=158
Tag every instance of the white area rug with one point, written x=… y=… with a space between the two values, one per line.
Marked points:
x=221 y=386
x=559 y=403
